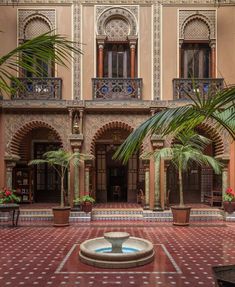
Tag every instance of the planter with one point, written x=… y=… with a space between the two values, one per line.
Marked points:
x=181 y=215
x=224 y=275
x=77 y=207
x=87 y=206
x=229 y=206
x=61 y=216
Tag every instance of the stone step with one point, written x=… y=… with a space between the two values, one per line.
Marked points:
x=121 y=217
x=110 y=211
x=195 y=215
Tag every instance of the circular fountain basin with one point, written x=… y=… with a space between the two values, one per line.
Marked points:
x=98 y=252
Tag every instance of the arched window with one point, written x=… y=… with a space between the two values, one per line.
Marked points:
x=34 y=27
x=195 y=49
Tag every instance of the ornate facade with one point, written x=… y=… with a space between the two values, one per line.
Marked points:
x=137 y=60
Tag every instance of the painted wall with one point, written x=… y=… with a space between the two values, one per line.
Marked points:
x=226 y=44
x=145 y=59
x=169 y=51
x=88 y=58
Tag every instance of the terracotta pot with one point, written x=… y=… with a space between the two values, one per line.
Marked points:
x=181 y=215
x=229 y=206
x=87 y=206
x=61 y=216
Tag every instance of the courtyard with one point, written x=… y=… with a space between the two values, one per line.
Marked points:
x=38 y=254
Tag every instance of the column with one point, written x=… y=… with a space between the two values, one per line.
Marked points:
x=71 y=120
x=157 y=143
x=132 y=48
x=81 y=120
x=213 y=59
x=76 y=179
x=166 y=192
x=101 y=60
x=157 y=204
x=180 y=57
x=224 y=179
x=132 y=43
x=147 y=187
x=10 y=161
x=88 y=166
x=100 y=43
x=87 y=180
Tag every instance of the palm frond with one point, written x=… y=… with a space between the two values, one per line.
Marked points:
x=46 y=48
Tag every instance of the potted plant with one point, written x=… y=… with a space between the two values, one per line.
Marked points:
x=77 y=204
x=87 y=202
x=229 y=200
x=60 y=160
x=8 y=196
x=187 y=148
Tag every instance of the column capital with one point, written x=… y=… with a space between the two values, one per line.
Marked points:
x=212 y=43
x=101 y=40
x=158 y=141
x=181 y=41
x=132 y=41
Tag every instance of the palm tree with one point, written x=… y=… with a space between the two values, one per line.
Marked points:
x=60 y=160
x=218 y=107
x=187 y=149
x=28 y=56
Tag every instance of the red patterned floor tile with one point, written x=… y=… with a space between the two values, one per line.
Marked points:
x=31 y=254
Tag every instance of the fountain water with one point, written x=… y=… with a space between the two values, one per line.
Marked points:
x=116 y=250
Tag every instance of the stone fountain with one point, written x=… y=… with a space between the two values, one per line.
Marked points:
x=116 y=250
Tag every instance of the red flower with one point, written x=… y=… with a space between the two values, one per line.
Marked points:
x=7 y=193
x=230 y=191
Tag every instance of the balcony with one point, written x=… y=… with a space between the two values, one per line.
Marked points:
x=117 y=88
x=184 y=87
x=38 y=89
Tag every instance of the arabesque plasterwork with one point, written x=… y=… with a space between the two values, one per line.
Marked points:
x=60 y=122
x=26 y=15
x=91 y=125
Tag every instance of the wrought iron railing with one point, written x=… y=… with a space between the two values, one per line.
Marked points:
x=117 y=88
x=38 y=89
x=182 y=88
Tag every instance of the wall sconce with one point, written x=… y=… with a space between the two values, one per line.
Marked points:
x=76 y=126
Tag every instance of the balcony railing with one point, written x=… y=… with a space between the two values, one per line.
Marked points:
x=117 y=88
x=38 y=89
x=205 y=87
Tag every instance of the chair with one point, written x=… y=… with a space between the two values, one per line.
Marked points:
x=116 y=192
x=141 y=197
x=215 y=196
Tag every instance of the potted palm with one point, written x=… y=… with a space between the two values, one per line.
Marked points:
x=187 y=149
x=60 y=160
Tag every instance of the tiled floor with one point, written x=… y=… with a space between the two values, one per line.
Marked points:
x=35 y=255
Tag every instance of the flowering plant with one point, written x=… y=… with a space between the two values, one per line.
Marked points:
x=8 y=196
x=229 y=195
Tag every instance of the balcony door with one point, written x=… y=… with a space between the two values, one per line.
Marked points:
x=195 y=60
x=117 y=61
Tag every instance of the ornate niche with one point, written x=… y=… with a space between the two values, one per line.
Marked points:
x=34 y=22
x=116 y=23
x=197 y=25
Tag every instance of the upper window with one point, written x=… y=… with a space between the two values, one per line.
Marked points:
x=195 y=60
x=117 y=61
x=33 y=28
